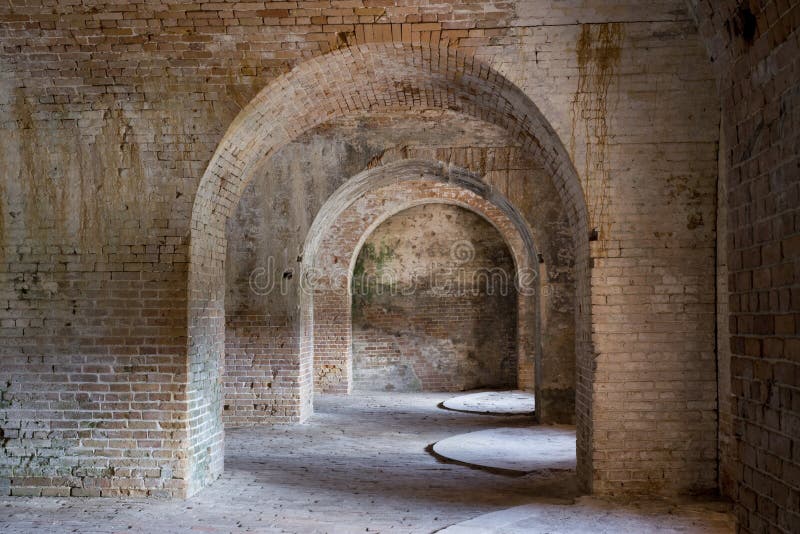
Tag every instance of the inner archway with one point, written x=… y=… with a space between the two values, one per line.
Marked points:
x=359 y=207
x=434 y=304
x=265 y=238
x=379 y=78
x=356 y=212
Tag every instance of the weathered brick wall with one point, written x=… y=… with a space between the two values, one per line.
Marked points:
x=726 y=447
x=756 y=52
x=264 y=242
x=110 y=115
x=651 y=194
x=263 y=375
x=93 y=355
x=434 y=304
x=352 y=214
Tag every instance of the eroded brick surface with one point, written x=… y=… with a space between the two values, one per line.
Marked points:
x=434 y=304
x=755 y=50
x=118 y=179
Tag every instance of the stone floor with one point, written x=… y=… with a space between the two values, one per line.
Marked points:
x=359 y=465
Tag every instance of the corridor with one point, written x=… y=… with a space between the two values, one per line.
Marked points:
x=359 y=465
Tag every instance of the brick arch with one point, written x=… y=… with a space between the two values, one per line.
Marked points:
x=350 y=216
x=377 y=77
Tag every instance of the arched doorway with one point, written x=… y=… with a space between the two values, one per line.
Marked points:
x=362 y=205
x=394 y=78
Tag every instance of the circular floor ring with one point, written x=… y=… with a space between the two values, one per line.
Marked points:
x=493 y=403
x=512 y=450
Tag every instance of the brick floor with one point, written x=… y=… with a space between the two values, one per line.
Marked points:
x=359 y=465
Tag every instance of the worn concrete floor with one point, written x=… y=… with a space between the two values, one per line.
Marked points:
x=513 y=450
x=512 y=402
x=358 y=466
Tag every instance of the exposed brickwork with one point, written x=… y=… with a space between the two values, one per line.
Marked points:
x=89 y=392
x=652 y=285
x=118 y=182
x=434 y=304
x=350 y=217
x=756 y=52
x=263 y=236
x=262 y=374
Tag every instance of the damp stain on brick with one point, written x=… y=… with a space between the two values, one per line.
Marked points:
x=39 y=186
x=598 y=51
x=343 y=39
x=5 y=396
x=743 y=25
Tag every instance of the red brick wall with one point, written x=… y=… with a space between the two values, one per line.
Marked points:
x=431 y=338
x=262 y=378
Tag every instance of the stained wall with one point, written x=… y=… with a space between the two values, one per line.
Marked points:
x=434 y=304
x=115 y=302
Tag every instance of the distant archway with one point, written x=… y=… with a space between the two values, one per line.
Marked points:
x=366 y=78
x=360 y=206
